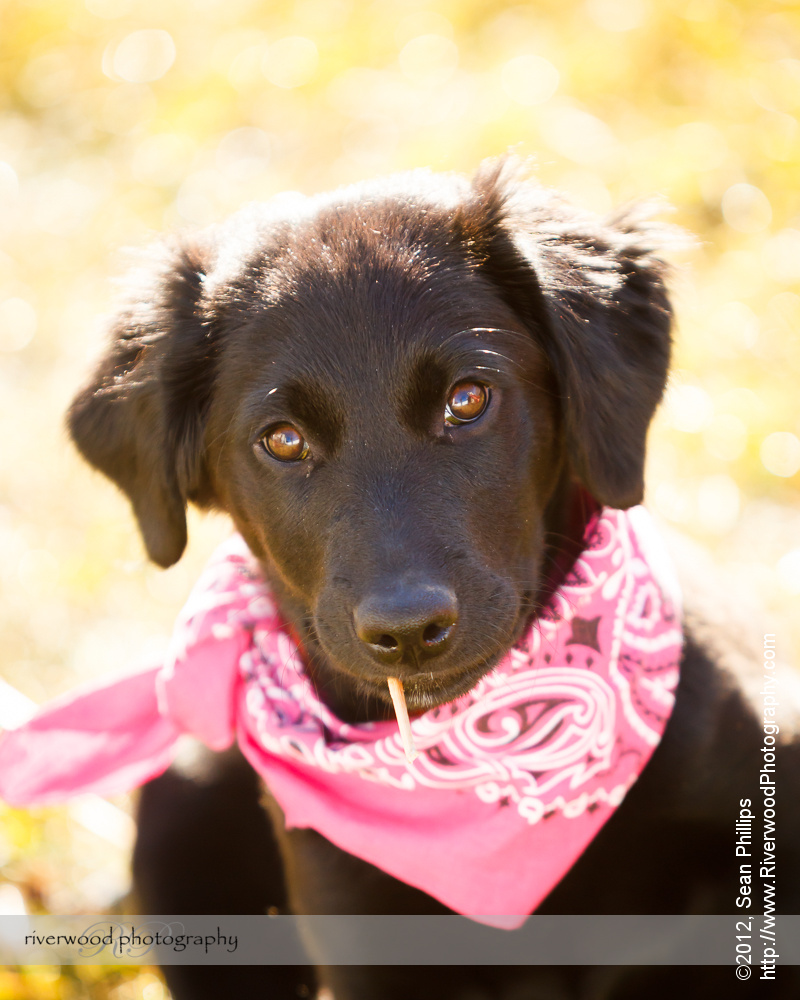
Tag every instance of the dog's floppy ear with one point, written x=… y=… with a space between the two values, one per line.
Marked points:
x=140 y=418
x=592 y=290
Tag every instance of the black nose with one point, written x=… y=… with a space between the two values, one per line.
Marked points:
x=407 y=621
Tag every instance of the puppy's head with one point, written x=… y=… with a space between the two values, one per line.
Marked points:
x=393 y=390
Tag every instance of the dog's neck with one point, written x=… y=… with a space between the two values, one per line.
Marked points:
x=566 y=516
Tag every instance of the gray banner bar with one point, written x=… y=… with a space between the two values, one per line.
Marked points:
x=393 y=940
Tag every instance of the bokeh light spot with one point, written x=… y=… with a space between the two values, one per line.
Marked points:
x=108 y=9
x=577 y=134
x=9 y=183
x=17 y=324
x=780 y=454
x=12 y=902
x=673 y=501
x=780 y=137
x=163 y=158
x=776 y=85
x=48 y=79
x=290 y=62
x=370 y=140
x=701 y=146
x=429 y=60
x=746 y=208
x=782 y=256
x=201 y=197
x=725 y=437
x=743 y=403
x=325 y=15
x=783 y=321
x=688 y=408
x=586 y=189
x=789 y=572
x=242 y=53
x=37 y=572
x=617 y=15
x=127 y=106
x=734 y=328
x=718 y=503
x=422 y=22
x=143 y=56
x=154 y=990
x=243 y=153
x=62 y=205
x=530 y=79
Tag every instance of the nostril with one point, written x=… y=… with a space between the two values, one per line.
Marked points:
x=406 y=620
x=435 y=634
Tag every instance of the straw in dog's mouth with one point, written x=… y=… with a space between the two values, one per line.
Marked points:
x=401 y=711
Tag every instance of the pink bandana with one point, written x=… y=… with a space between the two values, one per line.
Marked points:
x=512 y=782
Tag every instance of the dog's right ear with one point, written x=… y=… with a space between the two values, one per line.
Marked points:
x=140 y=419
x=592 y=291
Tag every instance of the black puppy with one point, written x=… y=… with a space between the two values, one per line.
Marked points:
x=409 y=395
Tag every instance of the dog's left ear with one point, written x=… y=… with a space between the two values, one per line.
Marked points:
x=140 y=419
x=592 y=291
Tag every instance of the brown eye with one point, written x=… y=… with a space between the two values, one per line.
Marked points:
x=467 y=402
x=285 y=443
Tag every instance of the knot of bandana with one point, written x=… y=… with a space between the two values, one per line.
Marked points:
x=512 y=781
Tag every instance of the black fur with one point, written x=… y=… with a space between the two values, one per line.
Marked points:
x=356 y=308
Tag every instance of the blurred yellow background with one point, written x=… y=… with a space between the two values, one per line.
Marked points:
x=124 y=117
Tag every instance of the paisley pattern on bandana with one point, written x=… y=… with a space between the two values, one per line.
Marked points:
x=565 y=722
x=512 y=781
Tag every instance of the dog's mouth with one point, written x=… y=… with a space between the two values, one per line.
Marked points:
x=428 y=689
x=425 y=689
x=427 y=684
